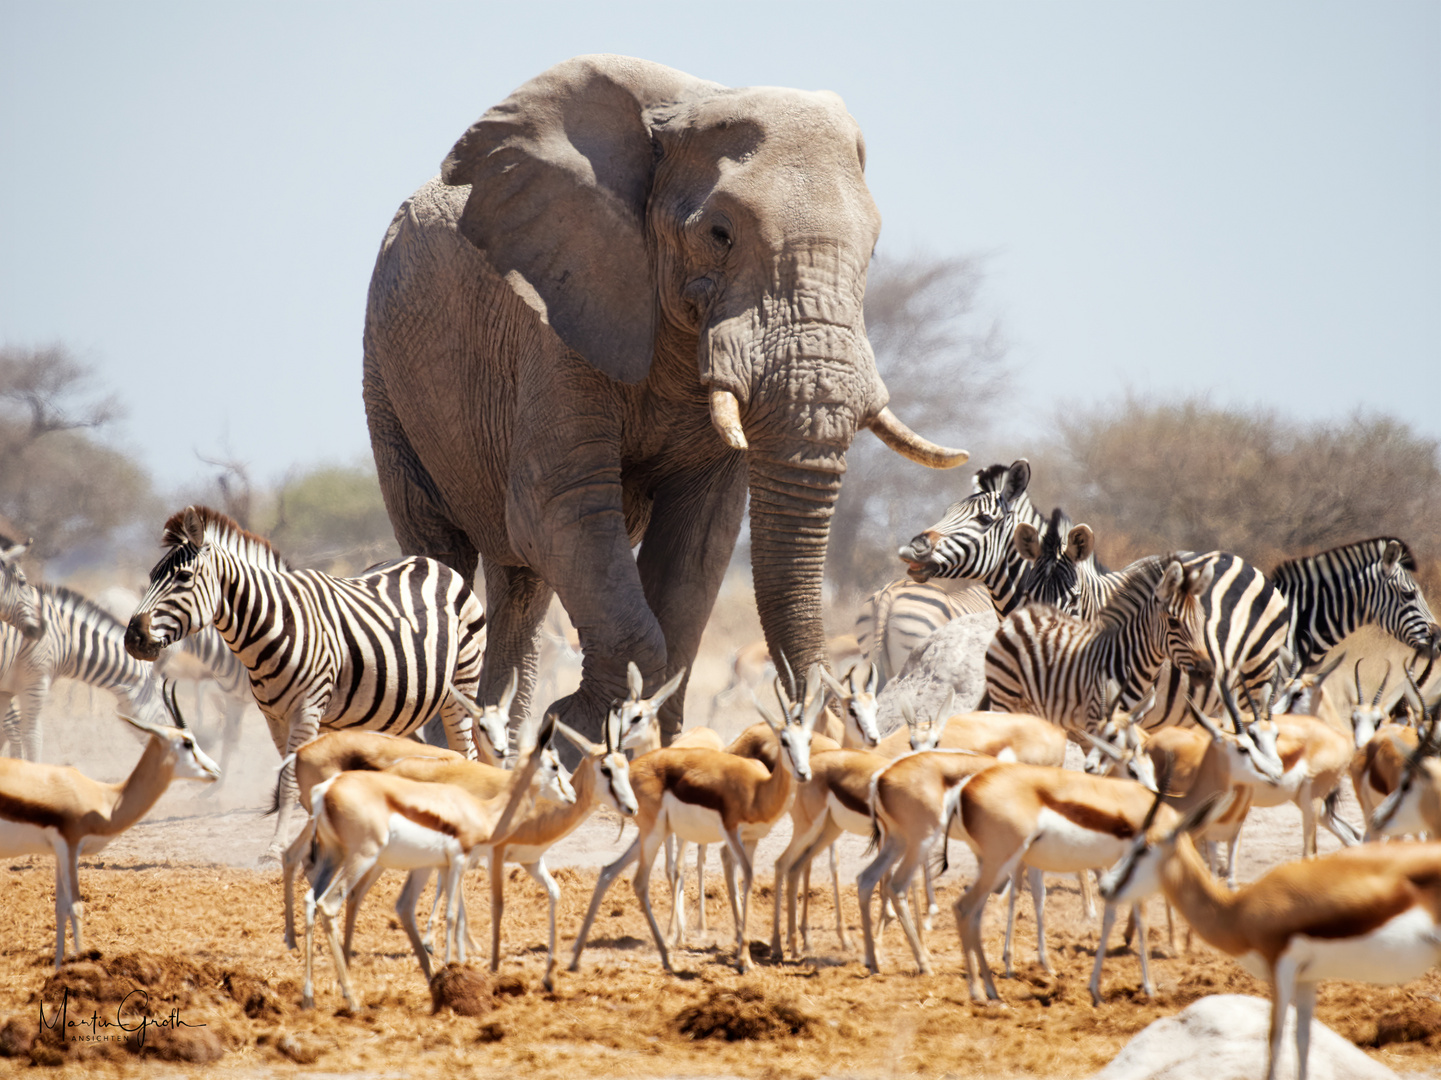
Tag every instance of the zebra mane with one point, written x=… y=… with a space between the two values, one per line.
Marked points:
x=224 y=532
x=88 y=610
x=1377 y=543
x=989 y=479
x=1136 y=589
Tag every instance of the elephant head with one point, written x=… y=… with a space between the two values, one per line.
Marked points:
x=711 y=243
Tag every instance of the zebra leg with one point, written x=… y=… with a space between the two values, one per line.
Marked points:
x=26 y=709
x=10 y=718
x=303 y=728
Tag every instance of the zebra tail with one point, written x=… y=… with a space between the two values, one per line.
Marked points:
x=287 y=762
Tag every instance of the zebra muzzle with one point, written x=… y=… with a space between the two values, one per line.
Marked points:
x=138 y=642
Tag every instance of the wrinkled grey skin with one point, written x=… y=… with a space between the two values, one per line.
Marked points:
x=547 y=320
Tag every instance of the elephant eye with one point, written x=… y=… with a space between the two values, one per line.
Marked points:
x=721 y=235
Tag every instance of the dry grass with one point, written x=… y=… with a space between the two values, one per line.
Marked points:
x=204 y=944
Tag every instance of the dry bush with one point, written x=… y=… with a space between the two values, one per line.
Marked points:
x=941 y=357
x=1156 y=476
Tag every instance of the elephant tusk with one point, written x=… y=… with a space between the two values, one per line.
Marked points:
x=725 y=414
x=907 y=443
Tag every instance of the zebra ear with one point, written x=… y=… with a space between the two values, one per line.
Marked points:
x=1170 y=582
x=1391 y=557
x=194 y=527
x=1017 y=477
x=1080 y=544
x=1027 y=541
x=1198 y=579
x=14 y=551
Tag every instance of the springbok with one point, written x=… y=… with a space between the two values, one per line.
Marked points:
x=57 y=810
x=368 y=822
x=333 y=752
x=1367 y=912
x=709 y=796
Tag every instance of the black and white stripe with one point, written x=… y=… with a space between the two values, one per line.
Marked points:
x=1058 y=666
x=1334 y=593
x=79 y=641
x=373 y=651
x=895 y=620
x=975 y=538
x=1062 y=568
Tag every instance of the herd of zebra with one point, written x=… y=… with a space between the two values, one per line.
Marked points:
x=1168 y=640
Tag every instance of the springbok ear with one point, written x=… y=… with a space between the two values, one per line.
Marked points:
x=944 y=713
x=1391 y=557
x=815 y=699
x=1080 y=544
x=1324 y=673
x=873 y=677
x=766 y=715
x=148 y=729
x=466 y=702
x=634 y=681
x=834 y=685
x=508 y=694
x=1104 y=747
x=1208 y=810
x=194 y=526
x=1205 y=721
x=1027 y=541
x=660 y=696
x=579 y=741
x=908 y=711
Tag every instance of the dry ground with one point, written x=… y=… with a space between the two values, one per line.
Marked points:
x=177 y=907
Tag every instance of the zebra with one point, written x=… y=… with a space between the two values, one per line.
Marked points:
x=1332 y=594
x=1246 y=619
x=19 y=600
x=1044 y=662
x=78 y=641
x=975 y=537
x=382 y=651
x=1068 y=576
x=894 y=620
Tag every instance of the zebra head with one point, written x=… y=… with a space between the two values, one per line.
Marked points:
x=973 y=539
x=1393 y=599
x=1052 y=577
x=19 y=600
x=1180 y=591
x=184 y=589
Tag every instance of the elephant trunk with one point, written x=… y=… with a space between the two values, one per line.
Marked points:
x=791 y=508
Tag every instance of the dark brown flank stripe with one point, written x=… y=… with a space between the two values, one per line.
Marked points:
x=422 y=817
x=1363 y=921
x=1288 y=761
x=356 y=761
x=17 y=809
x=1088 y=817
x=683 y=787
x=847 y=798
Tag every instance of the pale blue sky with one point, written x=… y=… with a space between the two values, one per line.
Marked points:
x=1240 y=198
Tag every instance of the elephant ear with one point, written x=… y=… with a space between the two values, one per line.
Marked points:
x=559 y=174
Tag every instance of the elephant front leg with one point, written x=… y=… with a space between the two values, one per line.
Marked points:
x=688 y=545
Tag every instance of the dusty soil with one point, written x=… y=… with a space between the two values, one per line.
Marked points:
x=178 y=908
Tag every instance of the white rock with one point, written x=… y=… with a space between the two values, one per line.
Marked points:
x=954 y=656
x=1224 y=1037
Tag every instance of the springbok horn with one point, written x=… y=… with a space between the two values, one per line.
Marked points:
x=908 y=444
x=1385 y=678
x=725 y=414
x=1359 y=697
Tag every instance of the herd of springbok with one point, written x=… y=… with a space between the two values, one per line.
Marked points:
x=1140 y=815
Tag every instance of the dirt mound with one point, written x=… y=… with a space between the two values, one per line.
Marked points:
x=165 y=1007
x=461 y=989
x=743 y=1013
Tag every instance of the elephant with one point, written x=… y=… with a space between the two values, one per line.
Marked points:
x=630 y=299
